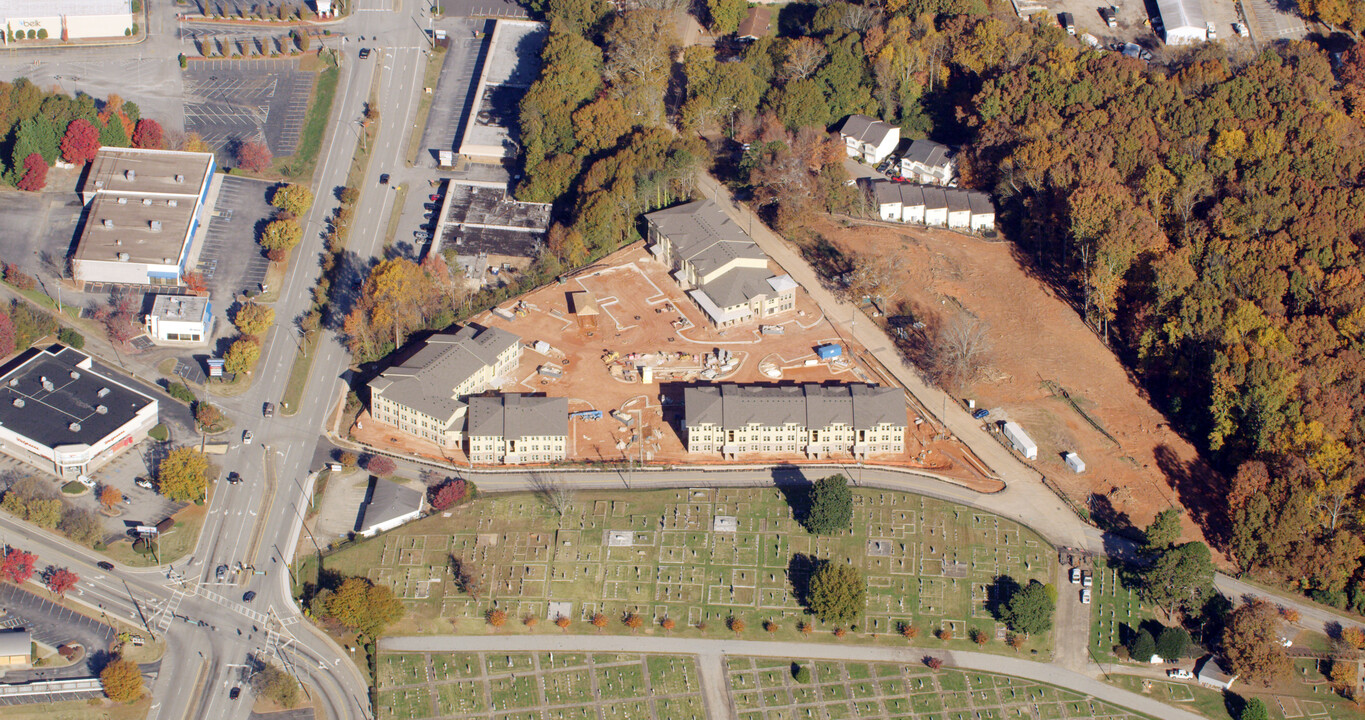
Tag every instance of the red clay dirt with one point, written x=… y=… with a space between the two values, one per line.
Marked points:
x=1041 y=347
x=644 y=312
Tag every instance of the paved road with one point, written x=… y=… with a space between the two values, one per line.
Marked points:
x=712 y=652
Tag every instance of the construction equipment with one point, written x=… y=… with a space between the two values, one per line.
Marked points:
x=586 y=415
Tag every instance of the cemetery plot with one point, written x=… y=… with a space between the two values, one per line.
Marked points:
x=656 y=554
x=766 y=689
x=1118 y=614
x=536 y=686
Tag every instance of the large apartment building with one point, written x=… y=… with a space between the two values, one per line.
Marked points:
x=817 y=420
x=421 y=395
x=513 y=429
x=723 y=270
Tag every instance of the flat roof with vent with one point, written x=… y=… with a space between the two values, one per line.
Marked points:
x=134 y=171
x=151 y=232
x=66 y=398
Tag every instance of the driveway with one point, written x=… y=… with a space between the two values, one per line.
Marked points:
x=711 y=654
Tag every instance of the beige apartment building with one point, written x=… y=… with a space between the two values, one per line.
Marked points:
x=421 y=396
x=514 y=429
x=818 y=421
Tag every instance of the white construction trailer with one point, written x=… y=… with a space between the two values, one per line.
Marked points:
x=1020 y=440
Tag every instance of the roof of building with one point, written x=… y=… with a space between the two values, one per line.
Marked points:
x=934 y=198
x=426 y=379
x=1213 y=673
x=387 y=501
x=483 y=220
x=135 y=171
x=866 y=129
x=980 y=203
x=583 y=303
x=15 y=642
x=957 y=200
x=1181 y=15
x=180 y=307
x=756 y=23
x=704 y=235
x=886 y=192
x=733 y=406
x=29 y=8
x=738 y=286
x=514 y=416
x=510 y=64
x=66 y=398
x=927 y=152
x=468 y=242
x=141 y=230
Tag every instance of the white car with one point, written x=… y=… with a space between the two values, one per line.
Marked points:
x=1085 y=596
x=1213 y=31
x=144 y=483
x=1087 y=579
x=1286 y=642
x=246 y=437
x=1075 y=576
x=1180 y=674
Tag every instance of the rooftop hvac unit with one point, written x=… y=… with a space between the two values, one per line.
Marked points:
x=75 y=375
x=102 y=410
x=123 y=201
x=108 y=223
x=124 y=257
x=75 y=426
x=180 y=178
x=99 y=183
x=156 y=225
x=102 y=392
x=18 y=402
x=173 y=203
x=130 y=174
x=48 y=386
x=14 y=382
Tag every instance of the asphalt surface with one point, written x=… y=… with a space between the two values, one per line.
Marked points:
x=53 y=625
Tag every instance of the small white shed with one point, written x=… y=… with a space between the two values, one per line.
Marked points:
x=1074 y=462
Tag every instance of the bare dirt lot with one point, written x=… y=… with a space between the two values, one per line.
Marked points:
x=646 y=320
x=1048 y=371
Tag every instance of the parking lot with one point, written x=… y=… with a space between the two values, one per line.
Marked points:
x=39 y=230
x=229 y=259
x=230 y=100
x=1132 y=19
x=54 y=625
x=454 y=91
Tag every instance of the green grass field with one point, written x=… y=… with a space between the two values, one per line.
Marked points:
x=926 y=562
x=561 y=686
x=300 y=166
x=764 y=689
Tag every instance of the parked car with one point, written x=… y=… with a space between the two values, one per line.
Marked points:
x=249 y=596
x=127 y=500
x=981 y=413
x=1075 y=576
x=1286 y=642
x=1180 y=674
x=421 y=234
x=1067 y=22
x=1110 y=15
x=364 y=53
x=1241 y=30
x=434 y=198
x=105 y=565
x=1212 y=30
x=1087 y=579
x=143 y=483
x=246 y=437
x=1085 y=596
x=430 y=206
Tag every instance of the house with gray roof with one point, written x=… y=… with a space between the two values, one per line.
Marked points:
x=388 y=505
x=513 y=429
x=718 y=264
x=933 y=205
x=16 y=647
x=421 y=395
x=927 y=163
x=869 y=139
x=818 y=420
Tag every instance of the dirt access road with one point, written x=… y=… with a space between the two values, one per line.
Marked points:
x=1136 y=465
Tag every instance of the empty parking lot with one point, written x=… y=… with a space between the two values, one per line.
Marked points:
x=231 y=100
x=230 y=260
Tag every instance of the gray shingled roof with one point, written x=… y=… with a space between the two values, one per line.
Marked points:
x=387 y=500
x=866 y=129
x=425 y=380
x=981 y=203
x=957 y=200
x=934 y=198
x=704 y=235
x=912 y=195
x=927 y=152
x=886 y=191
x=731 y=406
x=515 y=416
x=739 y=285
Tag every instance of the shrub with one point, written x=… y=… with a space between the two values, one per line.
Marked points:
x=70 y=337
x=42 y=33
x=801 y=673
x=448 y=494
x=380 y=465
x=180 y=392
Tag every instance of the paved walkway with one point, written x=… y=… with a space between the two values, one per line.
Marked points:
x=711 y=653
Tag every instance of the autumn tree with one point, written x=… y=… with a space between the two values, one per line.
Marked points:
x=360 y=605
x=148 y=134
x=81 y=142
x=838 y=593
x=562 y=622
x=60 y=580
x=495 y=617
x=599 y=621
x=183 y=475
x=35 y=174
x=668 y=624
x=632 y=621
x=253 y=156
x=281 y=235
x=207 y=416
x=735 y=624
x=242 y=355
x=1251 y=644
x=640 y=46
x=253 y=319
x=381 y=465
x=110 y=497
x=909 y=631
x=466 y=576
x=448 y=494
x=293 y=199
x=17 y=566
x=961 y=352
x=398 y=298
x=121 y=681
x=277 y=685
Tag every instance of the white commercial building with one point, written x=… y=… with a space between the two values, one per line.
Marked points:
x=64 y=414
x=388 y=505
x=180 y=319
x=66 y=19
x=510 y=65
x=144 y=208
x=1183 y=21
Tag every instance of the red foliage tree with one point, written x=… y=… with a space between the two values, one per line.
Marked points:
x=6 y=335
x=17 y=567
x=81 y=142
x=35 y=173
x=380 y=465
x=61 y=580
x=448 y=493
x=148 y=135
x=253 y=156
x=195 y=282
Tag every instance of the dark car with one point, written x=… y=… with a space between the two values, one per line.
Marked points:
x=430 y=206
x=249 y=596
x=981 y=413
x=233 y=478
x=234 y=693
x=221 y=572
x=268 y=409
x=364 y=53
x=384 y=179
x=104 y=565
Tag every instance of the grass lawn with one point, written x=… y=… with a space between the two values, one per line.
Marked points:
x=400 y=195
x=1117 y=613
x=300 y=166
x=274 y=279
x=429 y=78
x=79 y=710
x=298 y=376
x=925 y=562
x=175 y=544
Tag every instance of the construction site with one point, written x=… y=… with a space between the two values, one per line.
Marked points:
x=621 y=340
